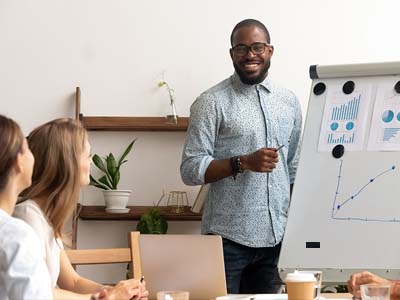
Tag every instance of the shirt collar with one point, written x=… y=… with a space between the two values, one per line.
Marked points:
x=267 y=84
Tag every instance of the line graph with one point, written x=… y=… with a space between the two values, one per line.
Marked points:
x=354 y=196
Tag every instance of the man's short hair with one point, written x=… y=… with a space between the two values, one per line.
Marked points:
x=248 y=23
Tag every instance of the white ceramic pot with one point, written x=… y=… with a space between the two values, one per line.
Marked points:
x=116 y=199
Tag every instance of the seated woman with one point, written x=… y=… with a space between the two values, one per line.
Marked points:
x=23 y=274
x=358 y=279
x=62 y=154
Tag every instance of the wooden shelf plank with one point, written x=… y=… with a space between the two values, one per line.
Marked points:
x=87 y=212
x=133 y=123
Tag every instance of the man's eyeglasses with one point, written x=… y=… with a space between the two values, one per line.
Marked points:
x=256 y=48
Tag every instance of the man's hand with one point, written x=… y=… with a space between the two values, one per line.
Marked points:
x=363 y=278
x=263 y=160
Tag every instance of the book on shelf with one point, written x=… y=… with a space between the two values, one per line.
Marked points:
x=201 y=197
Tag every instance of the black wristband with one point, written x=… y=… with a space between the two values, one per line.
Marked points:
x=236 y=166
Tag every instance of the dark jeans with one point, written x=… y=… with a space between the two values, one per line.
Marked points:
x=251 y=270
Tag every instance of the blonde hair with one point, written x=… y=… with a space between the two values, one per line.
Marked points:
x=56 y=146
x=11 y=141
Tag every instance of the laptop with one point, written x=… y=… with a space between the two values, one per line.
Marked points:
x=193 y=263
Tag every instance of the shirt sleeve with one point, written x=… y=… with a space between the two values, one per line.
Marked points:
x=200 y=140
x=27 y=276
x=295 y=142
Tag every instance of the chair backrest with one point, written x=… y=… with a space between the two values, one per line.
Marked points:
x=99 y=256
x=193 y=263
x=106 y=256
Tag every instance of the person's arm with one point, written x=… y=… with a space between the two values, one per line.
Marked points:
x=60 y=294
x=262 y=160
x=70 y=280
x=201 y=135
x=294 y=142
x=358 y=279
x=73 y=286
x=123 y=290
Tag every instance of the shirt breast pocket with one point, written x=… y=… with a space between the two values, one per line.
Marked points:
x=284 y=130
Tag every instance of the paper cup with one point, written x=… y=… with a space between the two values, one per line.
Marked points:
x=300 y=286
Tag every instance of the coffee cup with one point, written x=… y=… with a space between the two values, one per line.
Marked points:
x=300 y=286
x=318 y=282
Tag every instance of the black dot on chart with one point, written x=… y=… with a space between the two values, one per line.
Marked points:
x=319 y=88
x=348 y=87
x=397 y=87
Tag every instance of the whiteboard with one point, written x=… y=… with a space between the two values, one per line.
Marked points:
x=345 y=212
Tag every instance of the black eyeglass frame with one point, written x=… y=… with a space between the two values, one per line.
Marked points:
x=248 y=48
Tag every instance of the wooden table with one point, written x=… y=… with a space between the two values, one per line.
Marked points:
x=281 y=296
x=337 y=295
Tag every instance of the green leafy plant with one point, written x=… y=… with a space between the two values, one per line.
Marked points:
x=110 y=167
x=152 y=222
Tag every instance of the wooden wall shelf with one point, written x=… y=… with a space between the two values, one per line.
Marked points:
x=133 y=123
x=113 y=123
x=87 y=212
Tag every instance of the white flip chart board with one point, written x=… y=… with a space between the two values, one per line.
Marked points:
x=345 y=210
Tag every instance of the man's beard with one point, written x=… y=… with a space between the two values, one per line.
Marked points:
x=260 y=78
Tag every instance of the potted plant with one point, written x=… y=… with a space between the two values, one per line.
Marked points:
x=173 y=117
x=152 y=223
x=115 y=199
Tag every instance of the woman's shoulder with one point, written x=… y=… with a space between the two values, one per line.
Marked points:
x=18 y=233
x=31 y=213
x=27 y=207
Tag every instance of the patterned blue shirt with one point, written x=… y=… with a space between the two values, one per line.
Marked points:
x=232 y=119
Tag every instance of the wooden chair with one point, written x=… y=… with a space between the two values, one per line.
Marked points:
x=108 y=256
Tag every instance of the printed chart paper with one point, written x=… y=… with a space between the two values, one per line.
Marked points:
x=384 y=133
x=344 y=120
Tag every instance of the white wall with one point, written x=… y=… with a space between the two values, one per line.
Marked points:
x=116 y=51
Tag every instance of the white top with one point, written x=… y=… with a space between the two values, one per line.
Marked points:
x=31 y=213
x=23 y=275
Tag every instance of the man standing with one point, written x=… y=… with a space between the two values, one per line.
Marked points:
x=243 y=139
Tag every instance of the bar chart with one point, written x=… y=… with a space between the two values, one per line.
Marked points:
x=347 y=111
x=341 y=139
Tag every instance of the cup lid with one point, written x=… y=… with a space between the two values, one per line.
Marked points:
x=299 y=277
